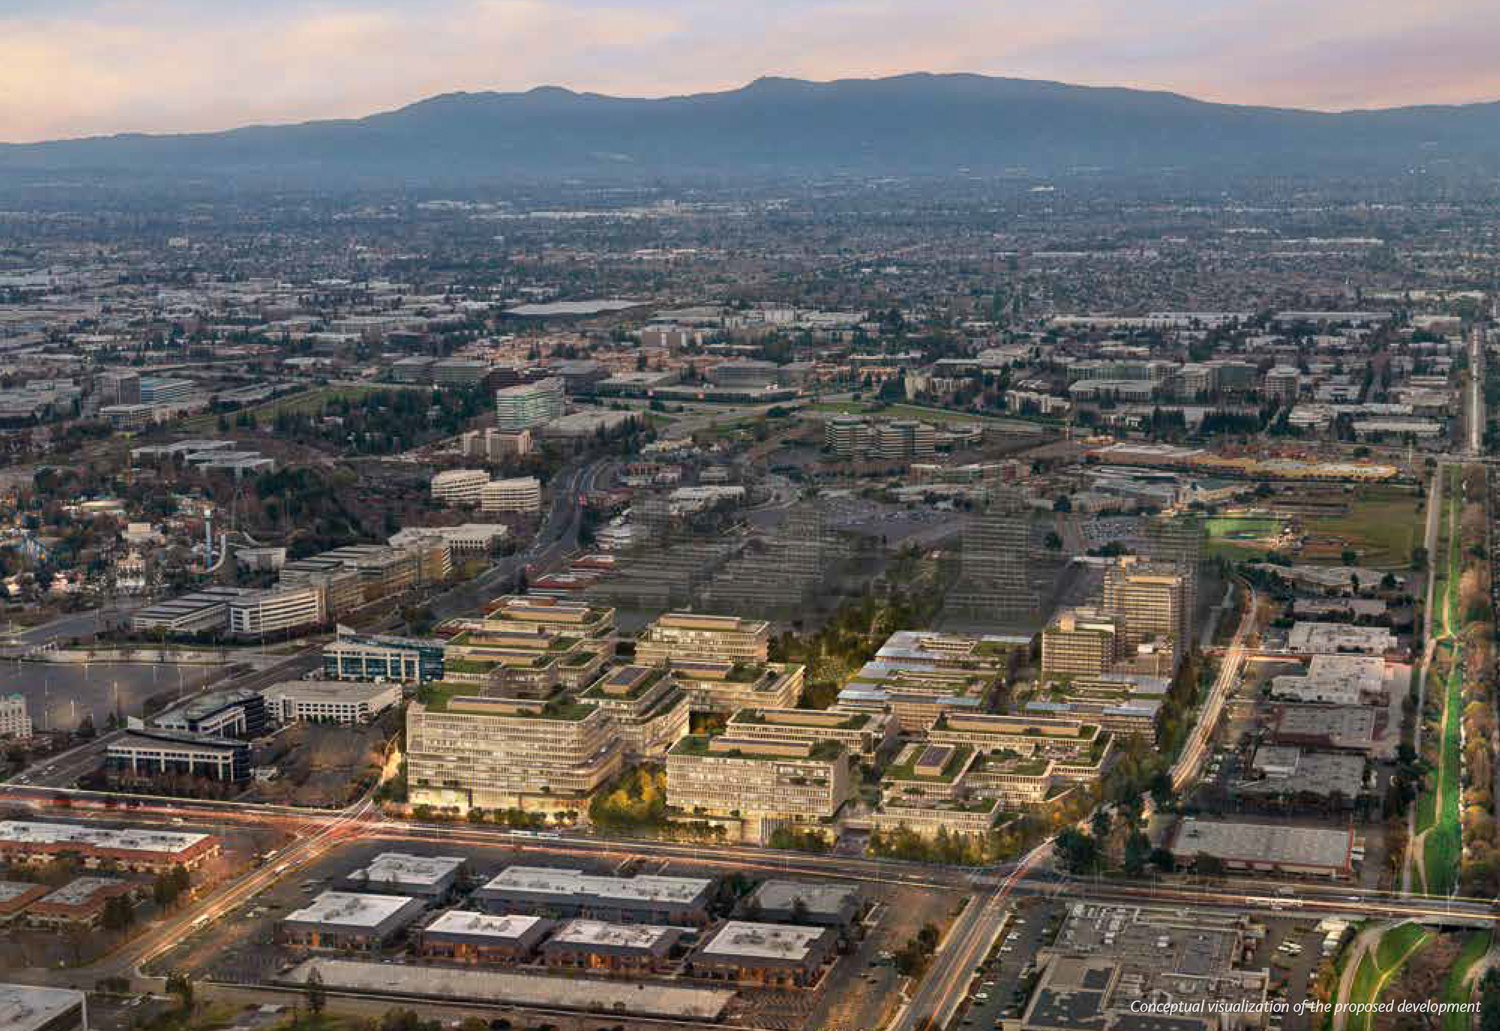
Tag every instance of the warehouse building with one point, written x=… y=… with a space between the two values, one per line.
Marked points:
x=350 y=920
x=1266 y=848
x=643 y=899
x=779 y=955
x=482 y=937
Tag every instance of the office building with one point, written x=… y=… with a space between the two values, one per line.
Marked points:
x=817 y=903
x=133 y=849
x=15 y=720
x=691 y=637
x=433 y=878
x=567 y=893
x=518 y=612
x=406 y=660
x=529 y=405
x=1282 y=383
x=599 y=947
x=995 y=563
x=759 y=785
x=353 y=921
x=498 y=753
x=727 y=687
x=119 y=387
x=649 y=711
x=15 y=896
x=459 y=486
x=780 y=955
x=519 y=494
x=1178 y=540
x=287 y=606
x=1335 y=680
x=1149 y=604
x=869 y=735
x=233 y=712
x=495 y=445
x=330 y=701
x=149 y=755
x=202 y=611
x=467 y=937
x=79 y=903
x=1079 y=642
x=157 y=390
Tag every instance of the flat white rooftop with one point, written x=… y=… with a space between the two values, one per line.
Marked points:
x=620 y=936
x=24 y=1008
x=401 y=868
x=130 y=839
x=546 y=880
x=350 y=909
x=483 y=925
x=739 y=939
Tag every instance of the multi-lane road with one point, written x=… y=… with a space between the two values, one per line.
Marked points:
x=1185 y=770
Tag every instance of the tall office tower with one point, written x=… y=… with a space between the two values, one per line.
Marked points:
x=529 y=405
x=1179 y=539
x=996 y=562
x=1149 y=601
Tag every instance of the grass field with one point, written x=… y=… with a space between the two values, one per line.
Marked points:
x=1382 y=524
x=1438 y=809
x=309 y=401
x=1378 y=965
x=1454 y=989
x=904 y=411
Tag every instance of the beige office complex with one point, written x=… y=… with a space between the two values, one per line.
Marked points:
x=1079 y=642
x=1150 y=601
x=761 y=784
x=649 y=712
x=459 y=486
x=521 y=494
x=690 y=637
x=865 y=734
x=725 y=687
x=493 y=753
x=519 y=612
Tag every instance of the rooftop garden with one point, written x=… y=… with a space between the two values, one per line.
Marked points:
x=823 y=751
x=907 y=770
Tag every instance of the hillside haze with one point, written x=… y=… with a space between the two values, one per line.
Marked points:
x=911 y=124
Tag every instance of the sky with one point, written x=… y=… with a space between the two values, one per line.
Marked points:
x=85 y=67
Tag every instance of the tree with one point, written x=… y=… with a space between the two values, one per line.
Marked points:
x=1062 y=504
x=1052 y=541
x=180 y=986
x=317 y=998
x=118 y=914
x=1137 y=853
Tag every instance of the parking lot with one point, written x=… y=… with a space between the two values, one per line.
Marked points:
x=1001 y=988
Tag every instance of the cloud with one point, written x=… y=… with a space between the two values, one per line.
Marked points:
x=91 y=66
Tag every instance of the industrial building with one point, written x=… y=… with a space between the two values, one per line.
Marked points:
x=822 y=904
x=1265 y=847
x=596 y=946
x=1335 y=680
x=642 y=899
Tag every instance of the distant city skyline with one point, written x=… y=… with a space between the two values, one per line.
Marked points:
x=84 y=67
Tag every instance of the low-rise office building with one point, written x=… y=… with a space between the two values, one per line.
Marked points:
x=15 y=896
x=330 y=701
x=146 y=755
x=458 y=486
x=782 y=955
x=198 y=612
x=406 y=660
x=642 y=899
x=728 y=687
x=433 y=878
x=600 y=947
x=79 y=903
x=520 y=494
x=819 y=903
x=277 y=609
x=135 y=849
x=234 y=712
x=483 y=937
x=519 y=612
x=1265 y=847
x=350 y=920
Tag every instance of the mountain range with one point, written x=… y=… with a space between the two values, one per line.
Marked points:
x=917 y=124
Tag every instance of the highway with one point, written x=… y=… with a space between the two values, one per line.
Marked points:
x=1185 y=770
